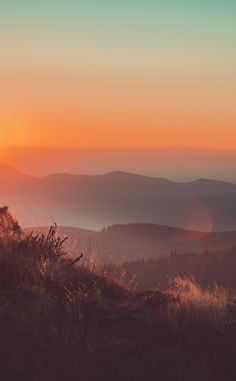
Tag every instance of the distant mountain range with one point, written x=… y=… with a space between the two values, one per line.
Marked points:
x=96 y=201
x=176 y=163
x=131 y=242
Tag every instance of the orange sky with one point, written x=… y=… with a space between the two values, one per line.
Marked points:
x=113 y=75
x=138 y=115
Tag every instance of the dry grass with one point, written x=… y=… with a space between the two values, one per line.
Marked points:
x=195 y=305
x=59 y=320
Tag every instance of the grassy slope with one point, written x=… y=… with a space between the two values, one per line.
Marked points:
x=60 y=321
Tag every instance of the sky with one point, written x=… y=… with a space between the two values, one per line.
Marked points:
x=109 y=73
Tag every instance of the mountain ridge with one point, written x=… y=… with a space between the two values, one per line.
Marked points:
x=5 y=169
x=94 y=201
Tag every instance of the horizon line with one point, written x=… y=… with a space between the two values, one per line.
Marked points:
x=118 y=148
x=117 y=172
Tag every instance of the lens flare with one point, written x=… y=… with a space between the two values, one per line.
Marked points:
x=196 y=216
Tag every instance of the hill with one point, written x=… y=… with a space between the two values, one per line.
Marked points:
x=131 y=242
x=178 y=163
x=207 y=269
x=61 y=321
x=96 y=201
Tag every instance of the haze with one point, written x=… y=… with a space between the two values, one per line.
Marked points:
x=179 y=164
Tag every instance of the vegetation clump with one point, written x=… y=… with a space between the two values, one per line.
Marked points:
x=7 y=223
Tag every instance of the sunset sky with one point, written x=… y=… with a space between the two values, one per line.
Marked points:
x=109 y=73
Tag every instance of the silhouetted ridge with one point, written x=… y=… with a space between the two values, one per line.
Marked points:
x=119 y=197
x=130 y=242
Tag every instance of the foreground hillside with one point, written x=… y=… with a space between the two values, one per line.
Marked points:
x=60 y=321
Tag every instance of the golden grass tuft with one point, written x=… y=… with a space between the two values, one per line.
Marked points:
x=198 y=305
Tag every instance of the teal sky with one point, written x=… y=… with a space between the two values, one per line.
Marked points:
x=145 y=32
